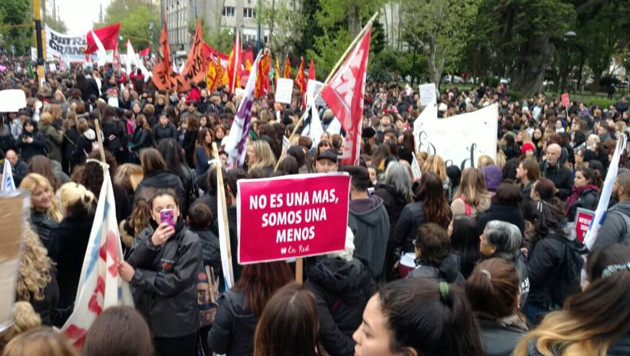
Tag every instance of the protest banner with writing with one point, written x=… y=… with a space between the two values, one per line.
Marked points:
x=291 y=217
x=459 y=139
x=565 y=100
x=12 y=100
x=583 y=220
x=68 y=47
x=312 y=88
x=284 y=90
x=427 y=94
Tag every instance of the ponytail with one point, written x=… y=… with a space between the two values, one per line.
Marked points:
x=76 y=200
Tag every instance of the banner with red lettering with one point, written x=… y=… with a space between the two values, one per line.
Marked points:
x=344 y=96
x=292 y=216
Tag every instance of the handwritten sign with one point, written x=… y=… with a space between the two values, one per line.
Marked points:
x=290 y=217
x=583 y=219
x=284 y=90
x=427 y=94
x=565 y=100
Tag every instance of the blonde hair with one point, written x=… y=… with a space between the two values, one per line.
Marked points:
x=484 y=161
x=45 y=118
x=264 y=155
x=72 y=193
x=525 y=136
x=592 y=140
x=472 y=187
x=35 y=268
x=24 y=319
x=123 y=174
x=33 y=181
x=435 y=164
x=63 y=97
x=40 y=341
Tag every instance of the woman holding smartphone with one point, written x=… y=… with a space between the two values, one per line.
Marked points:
x=161 y=266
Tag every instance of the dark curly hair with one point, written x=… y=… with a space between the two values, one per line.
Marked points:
x=92 y=176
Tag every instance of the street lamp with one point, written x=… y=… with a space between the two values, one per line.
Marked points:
x=568 y=37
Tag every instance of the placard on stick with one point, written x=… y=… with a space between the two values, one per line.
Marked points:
x=565 y=100
x=427 y=94
x=292 y=216
x=284 y=90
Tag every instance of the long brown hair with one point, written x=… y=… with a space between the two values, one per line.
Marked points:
x=119 y=331
x=472 y=187
x=594 y=319
x=493 y=288
x=436 y=209
x=288 y=326
x=260 y=281
x=42 y=165
x=201 y=142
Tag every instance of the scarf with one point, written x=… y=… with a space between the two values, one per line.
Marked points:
x=577 y=191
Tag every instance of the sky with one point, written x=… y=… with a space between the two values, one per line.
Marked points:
x=79 y=14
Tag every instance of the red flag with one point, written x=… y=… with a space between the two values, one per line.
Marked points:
x=344 y=96
x=300 y=81
x=145 y=52
x=164 y=76
x=311 y=71
x=262 y=76
x=197 y=63
x=234 y=64
x=108 y=36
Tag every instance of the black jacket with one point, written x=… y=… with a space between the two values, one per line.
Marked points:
x=83 y=147
x=369 y=223
x=46 y=307
x=231 y=216
x=112 y=127
x=342 y=289
x=164 y=285
x=560 y=176
x=68 y=243
x=394 y=203
x=20 y=170
x=233 y=330
x=71 y=138
x=406 y=230
x=159 y=180
x=161 y=132
x=588 y=200
x=447 y=271
x=211 y=251
x=43 y=225
x=547 y=267
x=141 y=139
x=500 y=338
x=510 y=213
x=188 y=144
x=39 y=146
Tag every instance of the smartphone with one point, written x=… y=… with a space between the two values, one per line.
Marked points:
x=167 y=216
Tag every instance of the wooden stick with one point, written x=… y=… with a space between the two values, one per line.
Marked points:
x=99 y=138
x=299 y=270
x=221 y=190
x=332 y=72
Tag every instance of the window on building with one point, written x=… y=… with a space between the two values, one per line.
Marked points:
x=228 y=11
x=248 y=12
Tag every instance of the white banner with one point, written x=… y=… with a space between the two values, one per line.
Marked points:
x=284 y=90
x=68 y=47
x=12 y=100
x=427 y=94
x=460 y=139
x=312 y=87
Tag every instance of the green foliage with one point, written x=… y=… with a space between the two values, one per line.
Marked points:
x=221 y=40
x=287 y=24
x=13 y=13
x=515 y=96
x=205 y=31
x=310 y=29
x=56 y=25
x=134 y=17
x=389 y=65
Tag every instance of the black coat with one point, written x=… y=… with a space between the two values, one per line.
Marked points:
x=500 y=339
x=588 y=200
x=406 y=230
x=164 y=285
x=211 y=251
x=141 y=139
x=161 y=132
x=342 y=289
x=68 y=243
x=561 y=177
x=71 y=138
x=231 y=217
x=394 y=204
x=46 y=307
x=210 y=200
x=20 y=170
x=188 y=144
x=82 y=149
x=43 y=225
x=510 y=213
x=234 y=326
x=159 y=180
x=447 y=271
x=39 y=146
x=112 y=127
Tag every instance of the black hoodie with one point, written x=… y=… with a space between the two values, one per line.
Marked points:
x=447 y=271
x=342 y=289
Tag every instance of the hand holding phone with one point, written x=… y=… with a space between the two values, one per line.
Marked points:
x=167 y=216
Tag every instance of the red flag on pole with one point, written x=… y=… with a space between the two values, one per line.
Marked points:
x=234 y=64
x=287 y=68
x=107 y=35
x=311 y=71
x=197 y=63
x=145 y=52
x=300 y=81
x=344 y=96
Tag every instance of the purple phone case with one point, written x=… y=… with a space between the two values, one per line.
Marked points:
x=166 y=215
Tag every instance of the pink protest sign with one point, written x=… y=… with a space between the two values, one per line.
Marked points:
x=292 y=216
x=583 y=220
x=565 y=100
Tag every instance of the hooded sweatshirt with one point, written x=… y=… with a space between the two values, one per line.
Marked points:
x=616 y=227
x=447 y=271
x=234 y=326
x=369 y=223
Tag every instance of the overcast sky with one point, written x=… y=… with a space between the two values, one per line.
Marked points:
x=79 y=14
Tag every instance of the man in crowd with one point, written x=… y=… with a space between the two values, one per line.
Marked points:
x=616 y=227
x=327 y=162
x=552 y=169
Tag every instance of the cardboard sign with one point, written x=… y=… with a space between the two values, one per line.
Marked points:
x=12 y=100
x=427 y=94
x=565 y=100
x=583 y=219
x=284 y=90
x=293 y=216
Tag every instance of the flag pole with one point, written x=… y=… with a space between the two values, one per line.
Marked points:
x=99 y=138
x=221 y=190
x=332 y=72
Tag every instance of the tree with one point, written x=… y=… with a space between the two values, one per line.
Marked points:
x=16 y=16
x=56 y=25
x=285 y=25
x=134 y=17
x=340 y=21
x=440 y=28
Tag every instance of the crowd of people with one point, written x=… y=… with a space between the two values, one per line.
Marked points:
x=479 y=261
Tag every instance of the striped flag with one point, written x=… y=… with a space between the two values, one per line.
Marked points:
x=100 y=286
x=287 y=68
x=8 y=184
x=604 y=197
x=236 y=142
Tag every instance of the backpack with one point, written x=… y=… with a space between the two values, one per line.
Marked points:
x=570 y=269
x=207 y=295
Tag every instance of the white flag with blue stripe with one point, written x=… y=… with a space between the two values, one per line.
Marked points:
x=8 y=184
